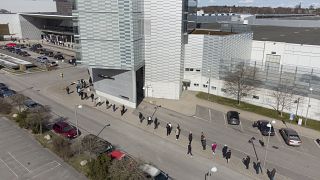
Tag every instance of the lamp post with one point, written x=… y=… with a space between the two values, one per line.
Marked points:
x=254 y=148
x=209 y=82
x=269 y=125
x=210 y=172
x=305 y=122
x=77 y=106
x=155 y=109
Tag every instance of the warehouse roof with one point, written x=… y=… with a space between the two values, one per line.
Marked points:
x=294 y=35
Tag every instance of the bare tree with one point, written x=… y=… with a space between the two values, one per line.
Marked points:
x=38 y=116
x=283 y=98
x=18 y=100
x=240 y=82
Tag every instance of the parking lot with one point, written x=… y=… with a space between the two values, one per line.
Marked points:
x=21 y=157
x=308 y=147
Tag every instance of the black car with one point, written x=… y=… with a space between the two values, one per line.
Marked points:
x=233 y=118
x=58 y=56
x=262 y=125
x=7 y=93
x=96 y=144
x=48 y=53
x=2 y=85
x=318 y=141
x=24 y=53
x=29 y=103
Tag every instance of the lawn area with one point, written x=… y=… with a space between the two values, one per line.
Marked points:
x=75 y=160
x=312 y=124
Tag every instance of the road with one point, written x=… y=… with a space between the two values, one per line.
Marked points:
x=166 y=155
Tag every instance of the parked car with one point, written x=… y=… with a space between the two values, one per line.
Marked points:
x=29 y=103
x=154 y=173
x=58 y=56
x=264 y=129
x=7 y=93
x=42 y=59
x=11 y=45
x=37 y=45
x=233 y=118
x=52 y=64
x=3 y=85
x=72 y=60
x=17 y=50
x=48 y=53
x=318 y=141
x=10 y=49
x=98 y=145
x=65 y=129
x=290 y=136
x=24 y=53
x=116 y=154
x=21 y=46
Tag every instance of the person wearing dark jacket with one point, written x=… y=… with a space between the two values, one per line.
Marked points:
x=189 y=149
x=224 y=150
x=228 y=156
x=190 y=137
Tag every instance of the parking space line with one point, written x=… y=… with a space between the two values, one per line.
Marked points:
x=45 y=171
x=241 y=127
x=9 y=168
x=224 y=117
x=210 y=115
x=45 y=165
x=18 y=161
x=316 y=143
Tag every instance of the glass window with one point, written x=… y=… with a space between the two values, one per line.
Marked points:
x=205 y=86
x=191 y=69
x=187 y=69
x=255 y=97
x=223 y=90
x=213 y=87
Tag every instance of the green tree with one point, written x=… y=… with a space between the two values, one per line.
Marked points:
x=5 y=108
x=125 y=169
x=38 y=117
x=62 y=147
x=99 y=168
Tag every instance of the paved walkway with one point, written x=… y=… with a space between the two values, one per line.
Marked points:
x=131 y=117
x=188 y=102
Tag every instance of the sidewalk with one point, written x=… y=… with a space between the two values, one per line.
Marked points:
x=188 y=102
x=131 y=117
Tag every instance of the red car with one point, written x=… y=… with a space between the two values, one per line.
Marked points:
x=65 y=129
x=117 y=154
x=11 y=45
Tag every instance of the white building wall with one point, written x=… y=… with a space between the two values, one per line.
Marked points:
x=291 y=54
x=194 y=51
x=14 y=24
x=163 y=48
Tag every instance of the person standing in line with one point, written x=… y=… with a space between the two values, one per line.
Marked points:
x=247 y=162
x=178 y=132
x=107 y=103
x=190 y=137
x=68 y=90
x=271 y=174
x=170 y=128
x=114 y=107
x=167 y=128
x=81 y=95
x=92 y=97
x=155 y=123
x=213 y=148
x=203 y=141
x=189 y=149
x=224 y=150
x=228 y=156
x=99 y=101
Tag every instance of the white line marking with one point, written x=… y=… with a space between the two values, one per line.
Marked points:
x=225 y=121
x=9 y=168
x=45 y=171
x=241 y=126
x=18 y=161
x=45 y=165
x=210 y=115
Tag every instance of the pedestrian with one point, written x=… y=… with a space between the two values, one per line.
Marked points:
x=247 y=162
x=107 y=104
x=140 y=115
x=85 y=95
x=84 y=84
x=90 y=81
x=224 y=150
x=257 y=167
x=122 y=110
x=203 y=141
x=190 y=137
x=81 y=95
x=89 y=89
x=213 y=148
x=271 y=174
x=78 y=91
x=228 y=156
x=68 y=90
x=167 y=128
x=114 y=107
x=170 y=128
x=61 y=75
x=178 y=132
x=155 y=123
x=189 y=149
x=92 y=97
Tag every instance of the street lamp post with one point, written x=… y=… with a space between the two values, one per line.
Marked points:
x=209 y=82
x=269 y=125
x=210 y=172
x=79 y=106
x=305 y=122
x=254 y=148
x=155 y=109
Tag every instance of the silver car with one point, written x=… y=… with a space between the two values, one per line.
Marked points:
x=290 y=136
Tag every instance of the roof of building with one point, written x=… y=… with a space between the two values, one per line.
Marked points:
x=48 y=15
x=210 y=32
x=294 y=35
